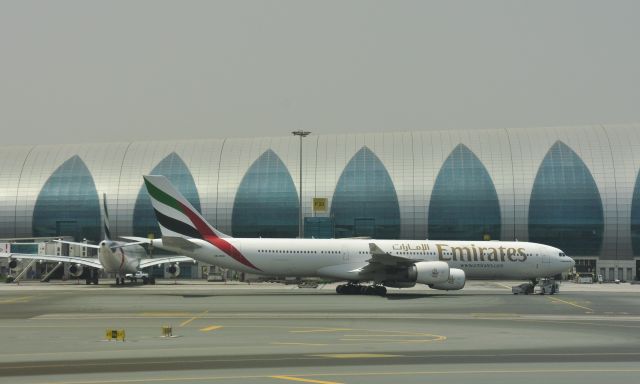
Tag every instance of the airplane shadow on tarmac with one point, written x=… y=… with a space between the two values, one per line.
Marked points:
x=392 y=296
x=411 y=296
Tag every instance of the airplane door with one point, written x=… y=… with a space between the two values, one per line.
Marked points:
x=545 y=258
x=345 y=253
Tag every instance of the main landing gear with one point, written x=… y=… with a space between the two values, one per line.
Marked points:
x=92 y=277
x=356 y=289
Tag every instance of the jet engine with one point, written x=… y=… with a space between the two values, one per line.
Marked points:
x=457 y=279
x=173 y=270
x=429 y=272
x=76 y=270
x=13 y=263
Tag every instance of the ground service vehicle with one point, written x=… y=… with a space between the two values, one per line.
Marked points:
x=546 y=286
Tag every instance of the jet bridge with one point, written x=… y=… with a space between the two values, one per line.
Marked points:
x=24 y=271
x=47 y=276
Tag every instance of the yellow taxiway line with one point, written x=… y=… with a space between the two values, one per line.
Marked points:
x=22 y=299
x=322 y=330
x=555 y=299
x=294 y=378
x=354 y=355
x=186 y=322
x=593 y=371
x=210 y=328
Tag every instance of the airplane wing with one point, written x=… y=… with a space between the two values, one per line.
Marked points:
x=382 y=262
x=143 y=241
x=86 y=261
x=378 y=256
x=146 y=263
x=80 y=244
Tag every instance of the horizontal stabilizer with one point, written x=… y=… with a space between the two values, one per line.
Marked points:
x=179 y=242
x=139 y=240
x=134 y=243
x=145 y=263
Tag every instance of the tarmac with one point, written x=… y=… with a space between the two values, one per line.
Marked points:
x=272 y=333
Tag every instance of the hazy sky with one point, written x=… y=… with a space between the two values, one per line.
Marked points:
x=85 y=71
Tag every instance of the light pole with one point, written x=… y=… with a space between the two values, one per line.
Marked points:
x=302 y=134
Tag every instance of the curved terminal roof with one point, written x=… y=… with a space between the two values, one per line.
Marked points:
x=503 y=183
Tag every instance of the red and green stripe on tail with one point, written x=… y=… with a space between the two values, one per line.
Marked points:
x=182 y=219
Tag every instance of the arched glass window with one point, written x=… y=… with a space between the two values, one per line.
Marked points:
x=68 y=204
x=464 y=203
x=635 y=218
x=266 y=204
x=365 y=202
x=174 y=169
x=565 y=209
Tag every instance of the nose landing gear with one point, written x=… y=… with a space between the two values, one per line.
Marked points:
x=92 y=277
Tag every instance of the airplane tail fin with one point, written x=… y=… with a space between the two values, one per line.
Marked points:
x=175 y=215
x=107 y=231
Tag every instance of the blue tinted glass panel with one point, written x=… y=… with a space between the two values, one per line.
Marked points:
x=565 y=210
x=318 y=228
x=266 y=204
x=31 y=249
x=365 y=202
x=635 y=218
x=68 y=204
x=174 y=169
x=464 y=203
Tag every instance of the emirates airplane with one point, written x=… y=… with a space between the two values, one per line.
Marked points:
x=120 y=258
x=440 y=264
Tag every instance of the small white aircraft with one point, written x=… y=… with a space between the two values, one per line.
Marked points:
x=120 y=258
x=439 y=264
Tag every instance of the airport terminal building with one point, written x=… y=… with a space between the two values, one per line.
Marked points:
x=572 y=187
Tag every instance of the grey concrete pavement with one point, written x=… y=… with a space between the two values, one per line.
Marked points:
x=266 y=333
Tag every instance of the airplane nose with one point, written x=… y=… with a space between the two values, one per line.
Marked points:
x=573 y=262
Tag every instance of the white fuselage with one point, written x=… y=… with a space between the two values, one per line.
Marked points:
x=343 y=258
x=115 y=258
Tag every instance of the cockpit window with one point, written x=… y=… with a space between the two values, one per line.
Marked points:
x=562 y=254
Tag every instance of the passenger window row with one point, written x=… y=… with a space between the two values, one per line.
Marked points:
x=288 y=251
